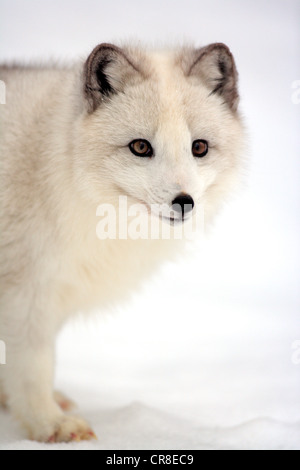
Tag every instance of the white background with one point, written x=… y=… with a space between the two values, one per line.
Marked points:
x=203 y=357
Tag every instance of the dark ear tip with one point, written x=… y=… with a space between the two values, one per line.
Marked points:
x=222 y=48
x=105 y=46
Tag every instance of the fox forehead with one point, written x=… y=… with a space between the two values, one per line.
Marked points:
x=172 y=93
x=165 y=103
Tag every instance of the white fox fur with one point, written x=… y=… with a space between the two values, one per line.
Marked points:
x=63 y=151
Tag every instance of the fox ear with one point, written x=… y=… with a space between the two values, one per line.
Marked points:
x=215 y=66
x=106 y=71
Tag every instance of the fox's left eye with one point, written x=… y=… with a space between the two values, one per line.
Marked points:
x=200 y=148
x=141 y=148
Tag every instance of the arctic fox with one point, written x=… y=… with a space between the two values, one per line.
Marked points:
x=157 y=126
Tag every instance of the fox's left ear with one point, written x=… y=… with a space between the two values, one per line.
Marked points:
x=215 y=66
x=106 y=72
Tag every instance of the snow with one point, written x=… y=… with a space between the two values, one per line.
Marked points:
x=206 y=375
x=207 y=355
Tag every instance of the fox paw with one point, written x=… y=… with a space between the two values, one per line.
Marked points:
x=67 y=429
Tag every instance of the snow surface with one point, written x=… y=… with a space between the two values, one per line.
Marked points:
x=205 y=357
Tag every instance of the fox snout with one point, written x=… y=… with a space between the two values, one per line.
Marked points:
x=183 y=204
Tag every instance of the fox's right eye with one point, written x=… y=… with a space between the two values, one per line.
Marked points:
x=200 y=148
x=141 y=148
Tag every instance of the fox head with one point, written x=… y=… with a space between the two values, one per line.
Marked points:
x=161 y=127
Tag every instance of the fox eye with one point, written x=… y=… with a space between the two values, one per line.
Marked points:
x=141 y=148
x=200 y=148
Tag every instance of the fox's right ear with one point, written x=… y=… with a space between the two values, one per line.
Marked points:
x=106 y=72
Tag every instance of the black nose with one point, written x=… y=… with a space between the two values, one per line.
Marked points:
x=183 y=203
